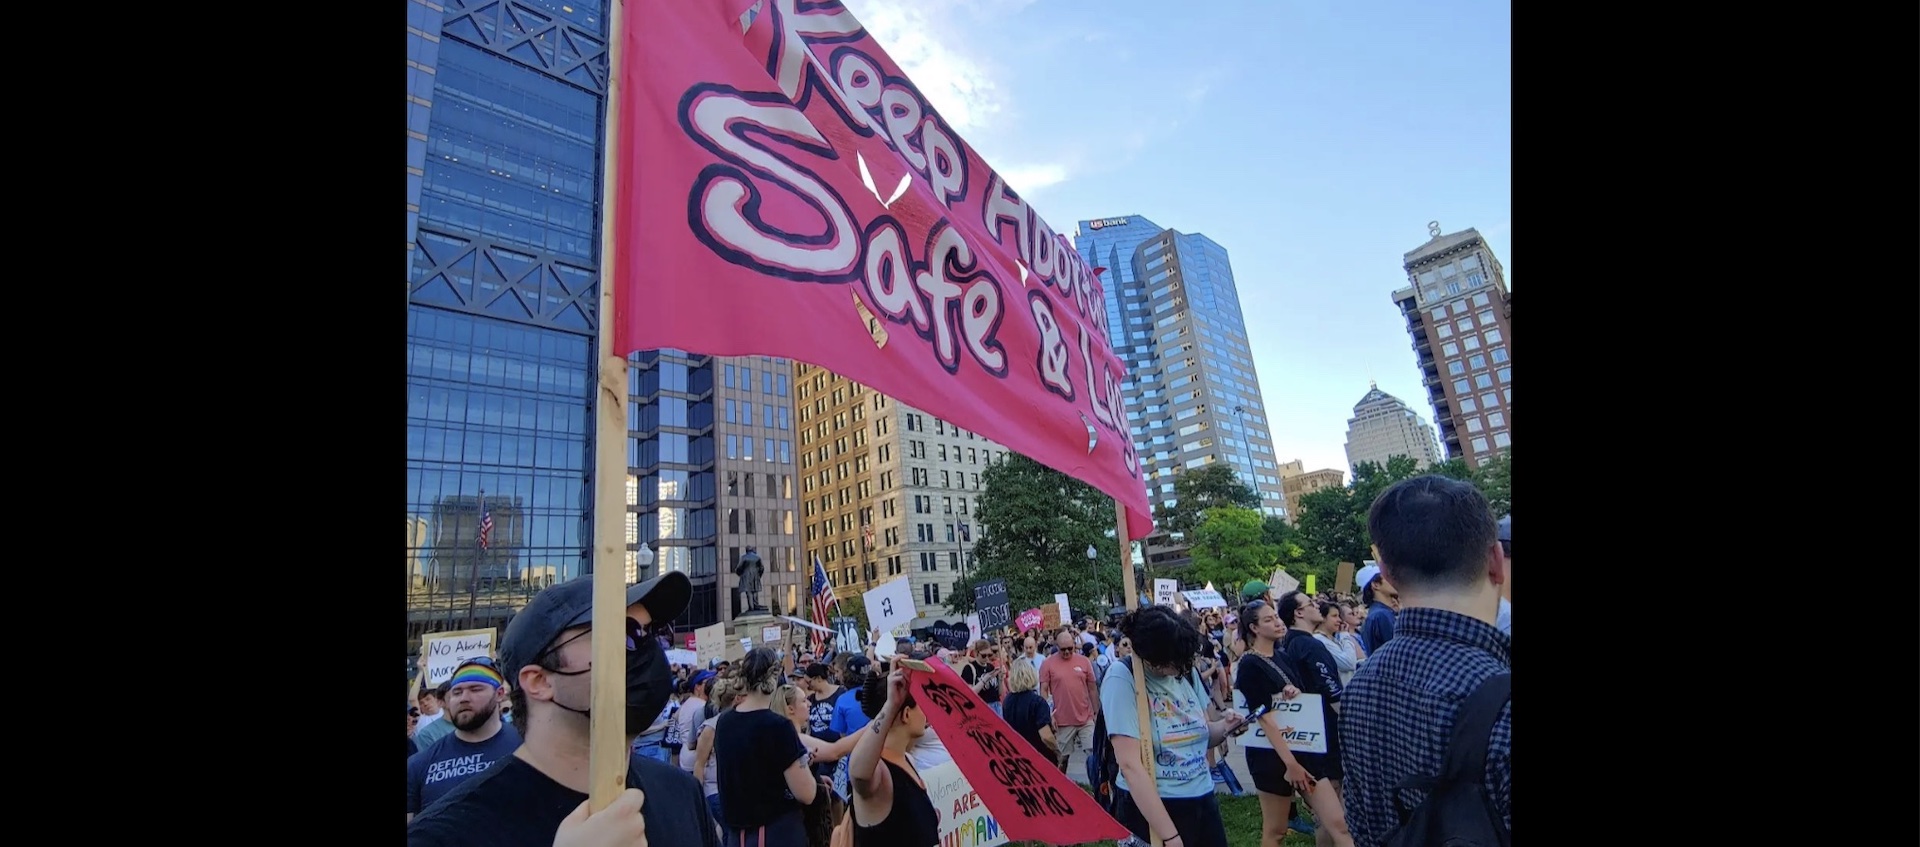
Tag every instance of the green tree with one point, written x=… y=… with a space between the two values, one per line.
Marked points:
x=1494 y=479
x=1453 y=469
x=1228 y=548
x=1294 y=556
x=1198 y=489
x=1035 y=526
x=855 y=607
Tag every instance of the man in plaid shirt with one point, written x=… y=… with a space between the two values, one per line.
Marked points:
x=1437 y=544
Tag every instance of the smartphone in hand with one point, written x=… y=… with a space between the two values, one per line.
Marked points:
x=1253 y=718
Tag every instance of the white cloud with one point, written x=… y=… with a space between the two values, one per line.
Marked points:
x=1032 y=179
x=919 y=35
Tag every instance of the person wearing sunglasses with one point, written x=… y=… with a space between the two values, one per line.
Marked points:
x=547 y=659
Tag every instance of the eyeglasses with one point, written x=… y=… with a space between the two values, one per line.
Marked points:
x=636 y=636
x=482 y=661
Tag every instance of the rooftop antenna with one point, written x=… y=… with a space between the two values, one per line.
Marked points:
x=1433 y=228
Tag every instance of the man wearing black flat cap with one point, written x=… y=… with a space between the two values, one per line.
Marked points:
x=547 y=655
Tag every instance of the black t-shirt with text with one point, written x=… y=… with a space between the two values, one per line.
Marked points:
x=1317 y=674
x=513 y=804
x=755 y=749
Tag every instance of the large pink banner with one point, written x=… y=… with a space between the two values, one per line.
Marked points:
x=784 y=190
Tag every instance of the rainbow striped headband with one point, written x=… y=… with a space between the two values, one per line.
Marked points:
x=476 y=673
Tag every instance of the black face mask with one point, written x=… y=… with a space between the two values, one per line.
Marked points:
x=649 y=684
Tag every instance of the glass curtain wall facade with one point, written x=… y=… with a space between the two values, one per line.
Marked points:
x=504 y=116
x=505 y=113
x=1174 y=313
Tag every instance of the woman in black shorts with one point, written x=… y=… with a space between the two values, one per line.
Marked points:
x=1264 y=677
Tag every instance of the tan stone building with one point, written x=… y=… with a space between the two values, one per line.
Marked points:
x=886 y=490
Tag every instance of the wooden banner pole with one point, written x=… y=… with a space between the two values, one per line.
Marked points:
x=609 y=757
x=1139 y=668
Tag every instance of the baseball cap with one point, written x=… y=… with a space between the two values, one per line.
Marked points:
x=570 y=604
x=701 y=677
x=859 y=664
x=1366 y=575
x=1253 y=588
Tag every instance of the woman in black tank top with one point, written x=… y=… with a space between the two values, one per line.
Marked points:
x=890 y=807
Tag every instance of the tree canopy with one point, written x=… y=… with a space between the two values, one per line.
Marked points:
x=1332 y=524
x=1229 y=547
x=1196 y=490
x=1035 y=526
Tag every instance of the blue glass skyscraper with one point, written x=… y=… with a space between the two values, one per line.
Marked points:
x=505 y=106
x=1174 y=314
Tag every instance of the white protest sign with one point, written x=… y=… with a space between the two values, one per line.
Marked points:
x=444 y=651
x=883 y=647
x=1066 y=611
x=890 y=606
x=682 y=657
x=1282 y=583
x=746 y=645
x=1205 y=598
x=770 y=635
x=964 y=820
x=711 y=642
x=1302 y=716
x=1163 y=591
x=973 y=629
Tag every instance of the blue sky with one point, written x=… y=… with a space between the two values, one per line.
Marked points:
x=1313 y=139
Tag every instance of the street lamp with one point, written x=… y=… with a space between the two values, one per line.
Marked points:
x=1092 y=552
x=644 y=558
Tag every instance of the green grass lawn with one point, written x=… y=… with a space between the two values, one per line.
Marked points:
x=1242 y=817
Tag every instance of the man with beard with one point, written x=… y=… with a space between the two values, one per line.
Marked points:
x=478 y=739
x=523 y=800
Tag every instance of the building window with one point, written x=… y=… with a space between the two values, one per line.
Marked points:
x=1493 y=335
x=1480 y=445
x=1501 y=440
x=1473 y=424
x=1489 y=400
x=1450 y=349
x=1472 y=342
x=1496 y=419
x=1477 y=362
x=1456 y=368
x=1481 y=298
x=1467 y=404
x=1506 y=375
x=1499 y=354
x=1483 y=381
x=1460 y=387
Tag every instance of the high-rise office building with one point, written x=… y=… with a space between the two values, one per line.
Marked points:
x=886 y=490
x=504 y=129
x=1173 y=312
x=1384 y=426
x=1455 y=305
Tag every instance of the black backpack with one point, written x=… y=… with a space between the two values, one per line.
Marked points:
x=1457 y=811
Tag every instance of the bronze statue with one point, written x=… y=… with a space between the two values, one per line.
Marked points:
x=749 y=570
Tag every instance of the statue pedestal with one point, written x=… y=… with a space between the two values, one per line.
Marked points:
x=749 y=625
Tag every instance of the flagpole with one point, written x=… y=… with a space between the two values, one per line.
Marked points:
x=1139 y=669
x=479 y=551
x=609 y=751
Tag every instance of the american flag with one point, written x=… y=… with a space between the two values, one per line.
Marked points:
x=486 y=530
x=823 y=601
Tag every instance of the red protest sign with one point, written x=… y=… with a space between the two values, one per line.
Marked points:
x=1029 y=797
x=1030 y=619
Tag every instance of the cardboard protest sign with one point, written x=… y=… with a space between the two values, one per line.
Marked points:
x=682 y=657
x=964 y=822
x=973 y=629
x=1066 y=608
x=1027 y=795
x=769 y=635
x=710 y=643
x=1343 y=578
x=444 y=651
x=1050 y=616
